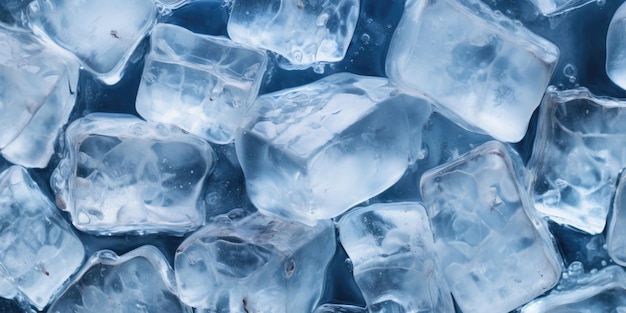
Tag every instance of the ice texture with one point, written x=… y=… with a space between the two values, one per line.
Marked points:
x=39 y=250
x=485 y=72
x=138 y=281
x=494 y=252
x=304 y=32
x=121 y=174
x=339 y=308
x=102 y=34
x=37 y=93
x=615 y=236
x=254 y=263
x=616 y=48
x=314 y=151
x=202 y=84
x=392 y=251
x=556 y=7
x=579 y=149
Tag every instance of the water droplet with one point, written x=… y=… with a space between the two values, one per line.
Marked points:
x=319 y=68
x=601 y=2
x=570 y=72
x=575 y=269
x=365 y=38
x=349 y=264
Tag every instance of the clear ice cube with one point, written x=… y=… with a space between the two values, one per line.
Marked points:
x=314 y=151
x=138 y=281
x=254 y=263
x=121 y=174
x=615 y=48
x=37 y=93
x=615 y=236
x=482 y=70
x=304 y=32
x=38 y=249
x=494 y=253
x=392 y=251
x=202 y=84
x=102 y=34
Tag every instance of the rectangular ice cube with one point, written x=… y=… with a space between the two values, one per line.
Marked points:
x=202 y=84
x=121 y=174
x=314 y=151
x=493 y=251
x=38 y=249
x=481 y=69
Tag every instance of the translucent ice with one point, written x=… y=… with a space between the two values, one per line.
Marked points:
x=303 y=31
x=615 y=236
x=392 y=251
x=616 y=48
x=494 y=252
x=200 y=83
x=314 y=151
x=102 y=34
x=121 y=174
x=482 y=70
x=339 y=308
x=555 y=7
x=138 y=281
x=253 y=263
x=37 y=93
x=38 y=249
x=579 y=149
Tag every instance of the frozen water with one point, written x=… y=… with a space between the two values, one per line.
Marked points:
x=200 y=83
x=494 y=252
x=555 y=7
x=615 y=236
x=102 y=34
x=138 y=281
x=482 y=70
x=253 y=263
x=37 y=93
x=616 y=48
x=121 y=174
x=12 y=12
x=600 y=292
x=579 y=149
x=39 y=251
x=314 y=151
x=392 y=251
x=339 y=308
x=304 y=32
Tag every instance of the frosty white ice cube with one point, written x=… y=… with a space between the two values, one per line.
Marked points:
x=482 y=70
x=121 y=174
x=314 y=151
x=616 y=48
x=494 y=253
x=38 y=249
x=202 y=84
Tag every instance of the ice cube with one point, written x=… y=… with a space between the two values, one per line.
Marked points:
x=556 y=7
x=37 y=93
x=615 y=237
x=121 y=174
x=304 y=32
x=102 y=34
x=202 y=84
x=578 y=152
x=314 y=151
x=482 y=70
x=254 y=263
x=138 y=281
x=339 y=308
x=615 y=49
x=495 y=254
x=38 y=249
x=392 y=251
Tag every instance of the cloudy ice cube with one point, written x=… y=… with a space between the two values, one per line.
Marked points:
x=482 y=70
x=102 y=34
x=615 y=236
x=304 y=32
x=121 y=174
x=339 y=308
x=138 y=281
x=37 y=93
x=616 y=49
x=254 y=263
x=578 y=152
x=202 y=84
x=495 y=254
x=314 y=151
x=38 y=249
x=392 y=251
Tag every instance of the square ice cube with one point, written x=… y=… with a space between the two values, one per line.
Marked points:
x=495 y=254
x=38 y=249
x=202 y=84
x=482 y=70
x=121 y=174
x=254 y=263
x=304 y=32
x=102 y=34
x=314 y=151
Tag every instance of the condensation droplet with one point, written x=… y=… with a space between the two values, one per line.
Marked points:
x=570 y=72
x=601 y=2
x=365 y=38
x=349 y=264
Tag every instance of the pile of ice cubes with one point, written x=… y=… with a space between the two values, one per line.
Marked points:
x=300 y=156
